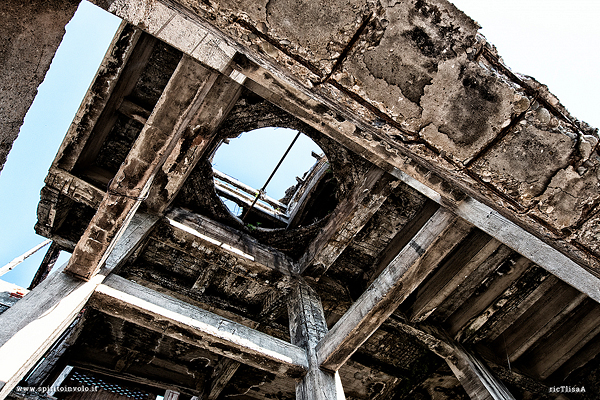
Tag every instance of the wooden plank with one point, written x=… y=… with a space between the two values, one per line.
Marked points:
x=129 y=301
x=46 y=265
x=512 y=297
x=220 y=377
x=399 y=279
x=474 y=376
x=476 y=248
x=240 y=245
x=348 y=218
x=586 y=354
x=469 y=287
x=194 y=144
x=181 y=99
x=536 y=322
x=565 y=341
x=505 y=275
x=307 y=328
x=511 y=312
x=35 y=322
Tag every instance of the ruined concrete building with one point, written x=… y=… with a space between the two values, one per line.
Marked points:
x=446 y=246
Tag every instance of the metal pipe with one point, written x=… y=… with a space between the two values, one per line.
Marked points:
x=261 y=191
x=22 y=257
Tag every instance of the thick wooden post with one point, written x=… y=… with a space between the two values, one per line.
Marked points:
x=307 y=328
x=473 y=375
x=476 y=379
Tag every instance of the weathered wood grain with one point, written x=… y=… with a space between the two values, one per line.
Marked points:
x=127 y=300
x=404 y=273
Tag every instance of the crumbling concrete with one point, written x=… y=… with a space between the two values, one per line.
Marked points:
x=29 y=36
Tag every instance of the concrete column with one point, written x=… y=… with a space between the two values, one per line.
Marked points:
x=307 y=328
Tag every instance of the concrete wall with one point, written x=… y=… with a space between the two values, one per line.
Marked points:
x=30 y=33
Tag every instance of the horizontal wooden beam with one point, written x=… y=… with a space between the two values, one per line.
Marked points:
x=397 y=281
x=179 y=102
x=35 y=322
x=472 y=373
x=194 y=144
x=496 y=225
x=348 y=218
x=240 y=245
x=74 y=188
x=142 y=306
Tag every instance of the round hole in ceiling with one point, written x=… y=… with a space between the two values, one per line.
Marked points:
x=287 y=164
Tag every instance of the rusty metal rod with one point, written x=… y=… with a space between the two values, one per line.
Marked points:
x=270 y=177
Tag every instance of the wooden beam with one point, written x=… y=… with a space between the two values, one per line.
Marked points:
x=35 y=322
x=307 y=328
x=564 y=341
x=195 y=143
x=452 y=274
x=473 y=374
x=497 y=284
x=469 y=287
x=134 y=68
x=496 y=225
x=139 y=305
x=180 y=101
x=475 y=377
x=397 y=281
x=513 y=309
x=510 y=298
x=74 y=188
x=586 y=354
x=276 y=88
x=541 y=318
x=46 y=265
x=247 y=249
x=348 y=218
x=222 y=374
x=117 y=76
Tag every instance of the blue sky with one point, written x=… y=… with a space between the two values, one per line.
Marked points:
x=250 y=148
x=72 y=70
x=555 y=41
